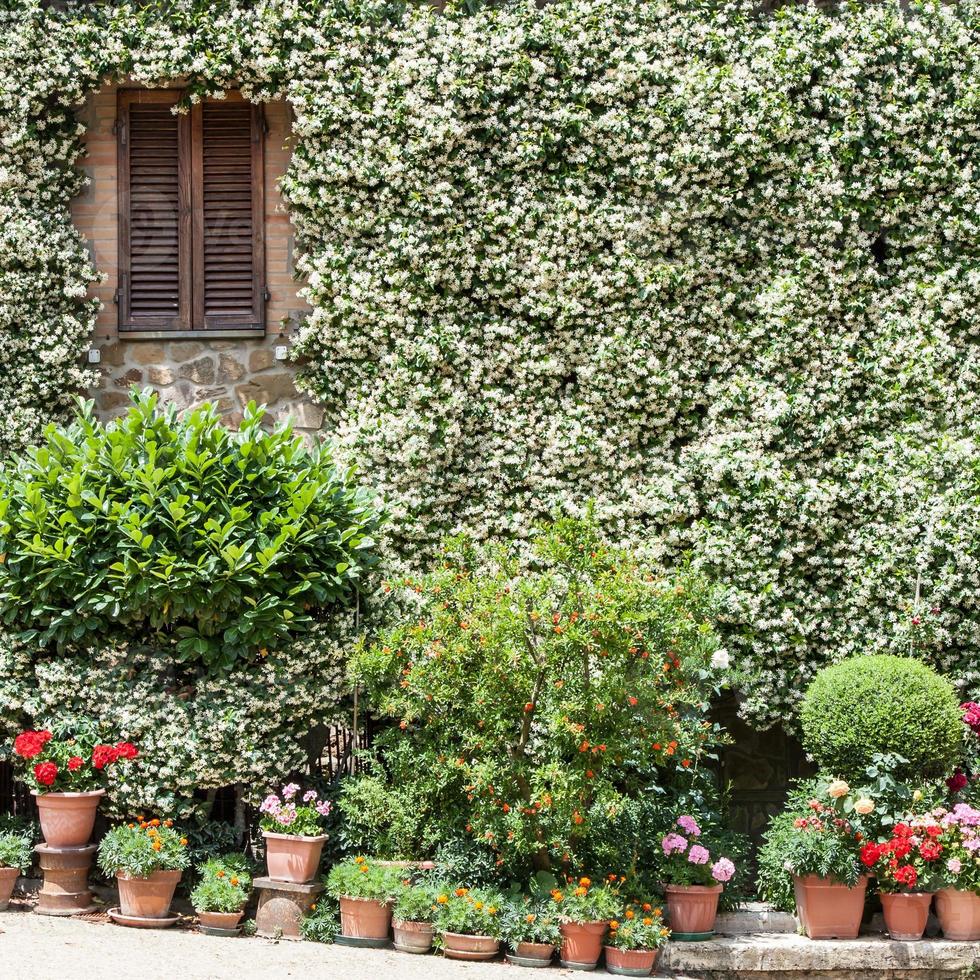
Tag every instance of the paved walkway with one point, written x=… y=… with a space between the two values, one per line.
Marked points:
x=37 y=947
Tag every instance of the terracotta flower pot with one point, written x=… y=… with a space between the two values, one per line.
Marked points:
x=67 y=819
x=363 y=918
x=692 y=910
x=220 y=920
x=412 y=937
x=291 y=857
x=8 y=878
x=456 y=946
x=581 y=942
x=958 y=913
x=631 y=962
x=535 y=951
x=147 y=898
x=906 y=914
x=828 y=909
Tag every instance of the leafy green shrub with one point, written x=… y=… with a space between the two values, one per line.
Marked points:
x=533 y=698
x=224 y=886
x=174 y=528
x=15 y=850
x=323 y=922
x=876 y=705
x=359 y=878
x=528 y=921
x=417 y=903
x=470 y=911
x=138 y=850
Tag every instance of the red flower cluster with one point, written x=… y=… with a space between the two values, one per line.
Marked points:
x=46 y=773
x=971 y=715
x=895 y=858
x=957 y=781
x=106 y=755
x=29 y=744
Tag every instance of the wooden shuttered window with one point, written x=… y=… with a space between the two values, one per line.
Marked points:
x=191 y=207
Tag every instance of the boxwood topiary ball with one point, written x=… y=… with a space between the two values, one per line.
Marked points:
x=882 y=704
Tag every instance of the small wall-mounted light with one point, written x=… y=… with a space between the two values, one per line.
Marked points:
x=281 y=352
x=95 y=356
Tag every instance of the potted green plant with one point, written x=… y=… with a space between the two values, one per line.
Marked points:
x=15 y=856
x=147 y=859
x=293 y=830
x=635 y=940
x=220 y=896
x=366 y=892
x=468 y=921
x=694 y=878
x=67 y=771
x=531 y=932
x=412 y=917
x=958 y=900
x=584 y=912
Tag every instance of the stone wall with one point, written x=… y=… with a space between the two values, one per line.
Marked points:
x=190 y=370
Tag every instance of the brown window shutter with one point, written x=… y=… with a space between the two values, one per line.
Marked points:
x=154 y=213
x=229 y=215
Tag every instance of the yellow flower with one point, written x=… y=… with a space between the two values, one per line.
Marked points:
x=478 y=905
x=580 y=891
x=614 y=925
x=864 y=806
x=529 y=918
x=838 y=788
x=492 y=910
x=442 y=899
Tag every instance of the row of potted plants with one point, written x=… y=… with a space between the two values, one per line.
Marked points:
x=580 y=920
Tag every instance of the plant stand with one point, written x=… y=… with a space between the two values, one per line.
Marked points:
x=282 y=906
x=65 y=890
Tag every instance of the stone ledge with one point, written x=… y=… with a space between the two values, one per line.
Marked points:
x=792 y=957
x=753 y=918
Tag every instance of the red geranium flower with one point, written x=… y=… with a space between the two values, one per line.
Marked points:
x=104 y=755
x=870 y=854
x=930 y=849
x=126 y=750
x=75 y=762
x=29 y=744
x=901 y=848
x=907 y=875
x=46 y=773
x=903 y=830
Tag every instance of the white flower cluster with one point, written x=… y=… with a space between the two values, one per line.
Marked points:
x=246 y=728
x=715 y=270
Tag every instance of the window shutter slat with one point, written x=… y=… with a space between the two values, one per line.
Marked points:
x=231 y=250
x=154 y=243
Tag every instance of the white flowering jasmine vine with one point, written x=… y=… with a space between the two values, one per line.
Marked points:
x=716 y=270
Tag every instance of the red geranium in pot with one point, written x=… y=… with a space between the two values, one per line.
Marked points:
x=67 y=770
x=907 y=867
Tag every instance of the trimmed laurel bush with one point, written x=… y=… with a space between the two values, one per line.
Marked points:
x=173 y=529
x=875 y=705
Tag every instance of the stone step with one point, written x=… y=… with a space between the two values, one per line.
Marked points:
x=786 y=956
x=754 y=917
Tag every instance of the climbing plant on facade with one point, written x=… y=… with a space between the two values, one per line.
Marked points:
x=712 y=269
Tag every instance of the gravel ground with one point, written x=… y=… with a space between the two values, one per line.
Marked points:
x=38 y=947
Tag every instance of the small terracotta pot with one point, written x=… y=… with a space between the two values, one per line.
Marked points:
x=8 y=878
x=290 y=857
x=906 y=914
x=67 y=819
x=581 y=942
x=829 y=909
x=147 y=898
x=363 y=918
x=692 y=910
x=412 y=937
x=959 y=914
x=220 y=920
x=456 y=946
x=631 y=962
x=535 y=951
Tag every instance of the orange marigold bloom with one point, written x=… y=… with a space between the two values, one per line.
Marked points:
x=646 y=906
x=648 y=921
x=630 y=913
x=530 y=917
x=442 y=899
x=460 y=892
x=157 y=846
x=585 y=882
x=183 y=842
x=614 y=925
x=580 y=891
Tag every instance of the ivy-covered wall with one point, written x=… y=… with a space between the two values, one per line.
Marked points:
x=713 y=269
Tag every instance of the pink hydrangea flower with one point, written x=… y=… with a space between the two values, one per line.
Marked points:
x=323 y=808
x=309 y=795
x=689 y=825
x=674 y=844
x=270 y=803
x=698 y=854
x=290 y=790
x=722 y=870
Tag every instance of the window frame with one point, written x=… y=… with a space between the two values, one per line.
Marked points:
x=190 y=321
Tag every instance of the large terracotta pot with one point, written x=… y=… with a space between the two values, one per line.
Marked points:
x=958 y=913
x=147 y=898
x=457 y=946
x=67 y=819
x=8 y=878
x=828 y=909
x=290 y=857
x=220 y=920
x=412 y=937
x=906 y=914
x=535 y=951
x=581 y=942
x=692 y=910
x=363 y=918
x=631 y=962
